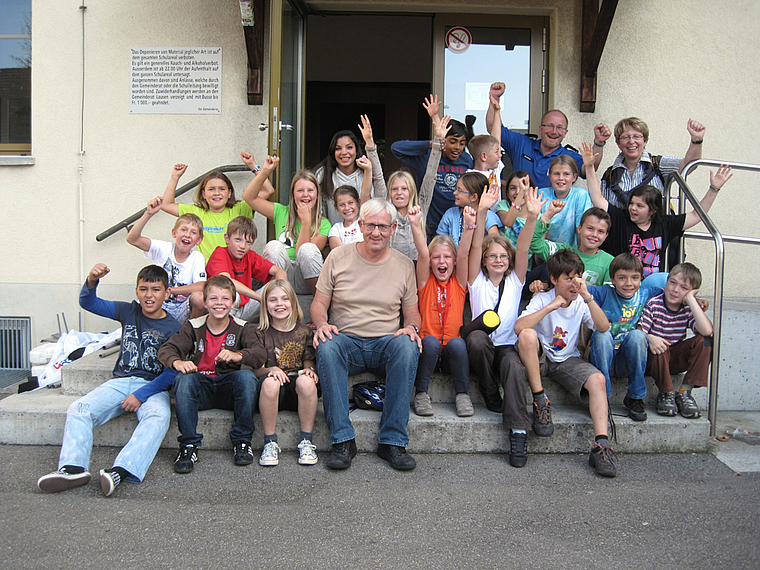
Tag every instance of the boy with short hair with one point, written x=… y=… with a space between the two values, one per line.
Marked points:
x=486 y=155
x=145 y=327
x=665 y=320
x=592 y=231
x=186 y=268
x=454 y=162
x=470 y=187
x=208 y=353
x=548 y=331
x=622 y=350
x=238 y=262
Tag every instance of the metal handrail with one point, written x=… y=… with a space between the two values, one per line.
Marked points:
x=126 y=222
x=686 y=194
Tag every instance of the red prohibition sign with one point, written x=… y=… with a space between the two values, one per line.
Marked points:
x=458 y=39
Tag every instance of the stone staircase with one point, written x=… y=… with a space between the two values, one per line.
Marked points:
x=38 y=418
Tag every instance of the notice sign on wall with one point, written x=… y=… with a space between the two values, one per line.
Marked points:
x=176 y=80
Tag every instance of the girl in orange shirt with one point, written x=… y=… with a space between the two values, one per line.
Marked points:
x=441 y=307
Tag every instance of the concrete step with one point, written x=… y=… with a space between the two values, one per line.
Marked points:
x=87 y=373
x=38 y=418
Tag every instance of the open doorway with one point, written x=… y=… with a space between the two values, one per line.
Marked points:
x=379 y=65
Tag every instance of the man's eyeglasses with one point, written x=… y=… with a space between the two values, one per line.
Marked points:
x=384 y=228
x=558 y=128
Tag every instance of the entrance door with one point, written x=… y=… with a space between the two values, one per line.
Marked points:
x=286 y=25
x=485 y=49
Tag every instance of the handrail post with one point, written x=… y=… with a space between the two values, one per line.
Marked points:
x=686 y=193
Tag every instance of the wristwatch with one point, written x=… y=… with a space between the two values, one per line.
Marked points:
x=416 y=329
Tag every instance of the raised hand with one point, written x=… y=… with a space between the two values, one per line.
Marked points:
x=601 y=133
x=469 y=216
x=587 y=153
x=432 y=106
x=490 y=196
x=442 y=128
x=414 y=214
x=179 y=170
x=270 y=163
x=534 y=202
x=497 y=90
x=248 y=159
x=718 y=179
x=154 y=205
x=98 y=271
x=696 y=130
x=366 y=130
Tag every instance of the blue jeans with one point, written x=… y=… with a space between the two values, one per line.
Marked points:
x=103 y=404
x=454 y=360
x=344 y=355
x=630 y=359
x=236 y=391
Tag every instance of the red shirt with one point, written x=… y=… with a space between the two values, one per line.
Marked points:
x=252 y=266
x=210 y=346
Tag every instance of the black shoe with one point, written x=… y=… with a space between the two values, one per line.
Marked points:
x=636 y=409
x=342 y=454
x=396 y=456
x=602 y=459
x=518 y=449
x=494 y=405
x=186 y=459
x=243 y=453
x=542 y=417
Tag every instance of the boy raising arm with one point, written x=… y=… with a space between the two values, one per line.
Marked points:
x=145 y=327
x=186 y=268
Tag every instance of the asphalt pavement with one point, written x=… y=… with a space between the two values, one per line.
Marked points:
x=456 y=511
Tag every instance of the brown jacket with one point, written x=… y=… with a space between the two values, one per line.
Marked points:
x=240 y=337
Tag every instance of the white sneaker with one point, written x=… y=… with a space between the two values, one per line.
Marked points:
x=62 y=480
x=307 y=453
x=270 y=455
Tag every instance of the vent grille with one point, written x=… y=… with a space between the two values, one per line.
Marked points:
x=15 y=343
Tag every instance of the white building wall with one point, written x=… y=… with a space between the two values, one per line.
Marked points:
x=663 y=61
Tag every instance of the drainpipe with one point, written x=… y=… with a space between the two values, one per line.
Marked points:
x=82 y=9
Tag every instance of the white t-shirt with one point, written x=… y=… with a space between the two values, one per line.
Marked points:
x=559 y=329
x=191 y=271
x=483 y=296
x=350 y=234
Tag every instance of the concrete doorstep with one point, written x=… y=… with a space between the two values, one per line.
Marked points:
x=38 y=418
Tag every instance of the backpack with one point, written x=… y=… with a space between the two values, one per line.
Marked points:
x=612 y=178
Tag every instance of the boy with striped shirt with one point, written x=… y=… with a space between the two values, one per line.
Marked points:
x=665 y=320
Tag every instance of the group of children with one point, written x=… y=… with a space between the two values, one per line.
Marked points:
x=190 y=324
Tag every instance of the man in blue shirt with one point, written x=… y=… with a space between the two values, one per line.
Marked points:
x=534 y=156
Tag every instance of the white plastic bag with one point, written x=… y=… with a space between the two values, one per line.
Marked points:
x=67 y=344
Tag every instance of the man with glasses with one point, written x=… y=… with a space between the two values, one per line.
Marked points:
x=534 y=156
x=366 y=286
